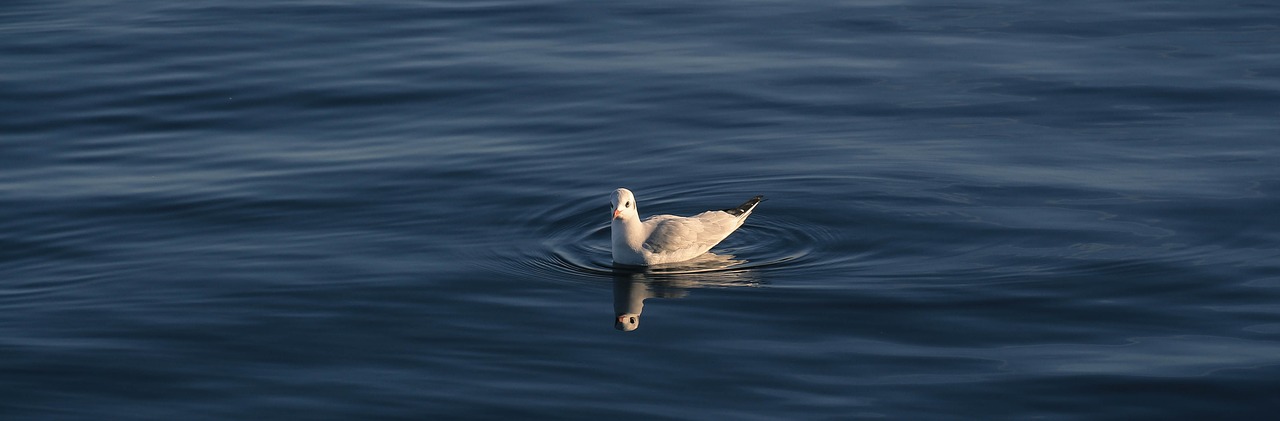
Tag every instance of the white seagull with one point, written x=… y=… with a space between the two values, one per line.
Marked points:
x=668 y=238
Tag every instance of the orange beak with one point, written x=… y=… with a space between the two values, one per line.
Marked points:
x=617 y=212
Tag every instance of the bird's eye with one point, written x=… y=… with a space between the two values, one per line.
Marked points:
x=628 y=205
x=633 y=320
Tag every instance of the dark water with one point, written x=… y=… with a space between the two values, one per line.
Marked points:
x=398 y=209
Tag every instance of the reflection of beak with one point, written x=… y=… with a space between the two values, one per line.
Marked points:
x=617 y=212
x=622 y=319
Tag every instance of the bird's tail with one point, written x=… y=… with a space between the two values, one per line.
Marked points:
x=745 y=208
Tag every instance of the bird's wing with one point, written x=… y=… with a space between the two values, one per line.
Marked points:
x=674 y=233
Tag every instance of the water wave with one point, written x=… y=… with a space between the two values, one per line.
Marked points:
x=571 y=241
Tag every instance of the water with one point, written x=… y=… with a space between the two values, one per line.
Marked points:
x=399 y=210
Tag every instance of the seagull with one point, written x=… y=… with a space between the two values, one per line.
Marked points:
x=664 y=239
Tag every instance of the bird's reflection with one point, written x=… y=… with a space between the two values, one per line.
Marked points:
x=632 y=287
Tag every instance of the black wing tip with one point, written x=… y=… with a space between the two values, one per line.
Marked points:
x=745 y=207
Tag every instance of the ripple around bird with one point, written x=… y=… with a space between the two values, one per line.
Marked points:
x=571 y=242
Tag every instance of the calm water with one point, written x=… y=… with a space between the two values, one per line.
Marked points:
x=399 y=209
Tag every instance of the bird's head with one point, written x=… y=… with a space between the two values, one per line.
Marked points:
x=627 y=322
x=624 y=204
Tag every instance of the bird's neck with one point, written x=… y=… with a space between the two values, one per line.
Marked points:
x=628 y=297
x=628 y=232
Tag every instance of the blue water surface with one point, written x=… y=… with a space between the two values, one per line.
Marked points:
x=399 y=209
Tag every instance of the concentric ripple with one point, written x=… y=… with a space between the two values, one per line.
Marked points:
x=571 y=242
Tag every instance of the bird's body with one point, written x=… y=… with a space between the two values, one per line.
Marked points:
x=662 y=239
